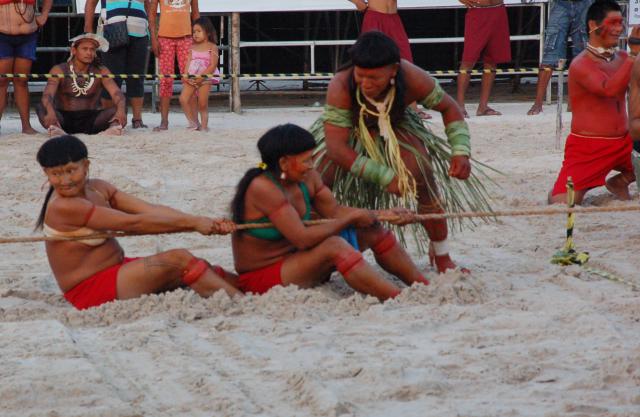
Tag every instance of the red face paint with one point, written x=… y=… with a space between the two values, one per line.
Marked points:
x=613 y=25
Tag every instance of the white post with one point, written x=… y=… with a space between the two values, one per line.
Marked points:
x=560 y=101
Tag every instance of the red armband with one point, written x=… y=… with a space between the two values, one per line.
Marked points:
x=346 y=262
x=386 y=242
x=89 y=214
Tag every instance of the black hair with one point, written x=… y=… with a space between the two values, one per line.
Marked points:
x=599 y=9
x=207 y=26
x=55 y=152
x=279 y=141
x=374 y=49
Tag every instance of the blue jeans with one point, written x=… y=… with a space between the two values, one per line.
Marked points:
x=565 y=18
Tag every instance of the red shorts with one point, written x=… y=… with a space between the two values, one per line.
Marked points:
x=588 y=160
x=261 y=280
x=390 y=25
x=486 y=35
x=97 y=289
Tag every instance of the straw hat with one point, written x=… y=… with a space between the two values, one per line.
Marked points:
x=103 y=44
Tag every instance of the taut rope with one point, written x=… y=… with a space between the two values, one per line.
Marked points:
x=414 y=218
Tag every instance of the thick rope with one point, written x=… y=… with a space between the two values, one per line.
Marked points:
x=413 y=218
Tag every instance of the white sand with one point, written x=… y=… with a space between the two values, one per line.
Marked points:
x=521 y=337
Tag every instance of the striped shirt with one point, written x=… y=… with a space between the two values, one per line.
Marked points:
x=116 y=11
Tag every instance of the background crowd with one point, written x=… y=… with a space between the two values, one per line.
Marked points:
x=167 y=33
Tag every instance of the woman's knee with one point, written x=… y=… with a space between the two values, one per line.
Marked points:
x=179 y=258
x=334 y=245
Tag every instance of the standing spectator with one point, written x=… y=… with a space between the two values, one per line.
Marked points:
x=131 y=58
x=203 y=59
x=566 y=18
x=172 y=40
x=382 y=15
x=486 y=36
x=18 y=37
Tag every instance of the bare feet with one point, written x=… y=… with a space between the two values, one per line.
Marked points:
x=114 y=130
x=619 y=186
x=488 y=112
x=54 y=130
x=138 y=124
x=444 y=262
x=28 y=130
x=163 y=126
x=203 y=129
x=535 y=109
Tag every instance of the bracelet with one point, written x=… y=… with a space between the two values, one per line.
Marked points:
x=372 y=171
x=633 y=40
x=458 y=136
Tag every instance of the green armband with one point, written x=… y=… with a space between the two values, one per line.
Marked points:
x=458 y=136
x=435 y=96
x=337 y=116
x=372 y=171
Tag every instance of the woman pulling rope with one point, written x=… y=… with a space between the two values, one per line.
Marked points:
x=375 y=152
x=91 y=272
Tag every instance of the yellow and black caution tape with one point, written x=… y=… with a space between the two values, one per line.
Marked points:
x=274 y=75
x=568 y=254
x=611 y=277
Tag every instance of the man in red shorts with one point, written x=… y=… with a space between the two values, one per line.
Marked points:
x=382 y=15
x=599 y=141
x=486 y=36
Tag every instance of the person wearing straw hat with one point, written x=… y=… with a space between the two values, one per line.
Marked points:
x=71 y=104
x=599 y=142
x=374 y=150
x=285 y=189
x=93 y=271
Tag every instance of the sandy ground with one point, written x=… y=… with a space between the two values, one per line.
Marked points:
x=520 y=337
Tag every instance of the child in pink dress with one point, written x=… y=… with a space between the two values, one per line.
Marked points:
x=203 y=59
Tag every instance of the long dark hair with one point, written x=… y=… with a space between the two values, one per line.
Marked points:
x=279 y=141
x=207 y=26
x=56 y=152
x=375 y=50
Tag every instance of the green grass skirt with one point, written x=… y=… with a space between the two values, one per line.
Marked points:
x=455 y=195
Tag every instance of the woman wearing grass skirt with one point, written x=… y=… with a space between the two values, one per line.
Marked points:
x=375 y=152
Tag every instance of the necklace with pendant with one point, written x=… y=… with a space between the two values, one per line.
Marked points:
x=77 y=88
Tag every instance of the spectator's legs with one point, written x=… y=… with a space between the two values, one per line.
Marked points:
x=464 y=77
x=488 y=76
x=137 y=60
x=167 y=64
x=183 y=49
x=21 y=93
x=203 y=105
x=555 y=45
x=546 y=71
x=6 y=66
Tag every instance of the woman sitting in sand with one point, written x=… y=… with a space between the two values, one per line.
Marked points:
x=91 y=272
x=284 y=190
